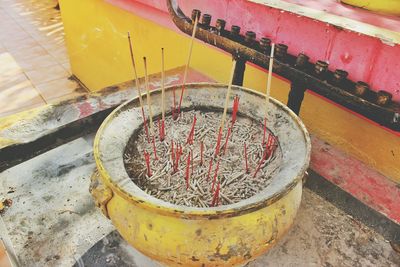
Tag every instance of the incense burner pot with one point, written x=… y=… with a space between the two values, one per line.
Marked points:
x=188 y=236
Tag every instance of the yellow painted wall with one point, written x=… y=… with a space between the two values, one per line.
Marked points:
x=96 y=35
x=391 y=7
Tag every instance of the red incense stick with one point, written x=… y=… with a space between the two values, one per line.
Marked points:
x=191 y=133
x=215 y=200
x=154 y=149
x=217 y=148
x=227 y=138
x=271 y=146
x=235 y=109
x=215 y=177
x=261 y=162
x=245 y=158
x=187 y=170
x=147 y=158
x=161 y=130
x=178 y=156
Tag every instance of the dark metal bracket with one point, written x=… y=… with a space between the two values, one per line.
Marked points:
x=303 y=75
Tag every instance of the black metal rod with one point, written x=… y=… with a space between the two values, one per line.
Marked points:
x=296 y=96
x=238 y=74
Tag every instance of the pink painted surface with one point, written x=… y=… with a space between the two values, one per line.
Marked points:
x=152 y=10
x=334 y=103
x=365 y=58
x=335 y=7
x=352 y=55
x=85 y=109
x=353 y=176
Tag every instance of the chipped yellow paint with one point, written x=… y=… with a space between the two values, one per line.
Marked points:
x=216 y=242
x=99 y=54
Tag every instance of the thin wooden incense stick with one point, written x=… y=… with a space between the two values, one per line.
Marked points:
x=271 y=63
x=135 y=72
x=188 y=62
x=146 y=82
x=162 y=128
x=137 y=85
x=222 y=125
x=162 y=85
x=228 y=94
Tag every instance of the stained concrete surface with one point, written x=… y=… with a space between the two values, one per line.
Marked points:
x=53 y=222
x=53 y=219
x=323 y=235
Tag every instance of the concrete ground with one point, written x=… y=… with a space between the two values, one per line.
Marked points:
x=34 y=66
x=53 y=222
x=325 y=236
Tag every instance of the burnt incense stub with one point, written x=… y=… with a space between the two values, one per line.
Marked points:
x=185 y=173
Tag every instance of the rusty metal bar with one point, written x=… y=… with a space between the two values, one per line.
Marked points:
x=316 y=77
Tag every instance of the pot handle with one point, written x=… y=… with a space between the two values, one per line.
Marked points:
x=100 y=193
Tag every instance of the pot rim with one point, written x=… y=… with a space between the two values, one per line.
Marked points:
x=193 y=212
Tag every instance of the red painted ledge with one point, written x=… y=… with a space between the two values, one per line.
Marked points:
x=354 y=177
